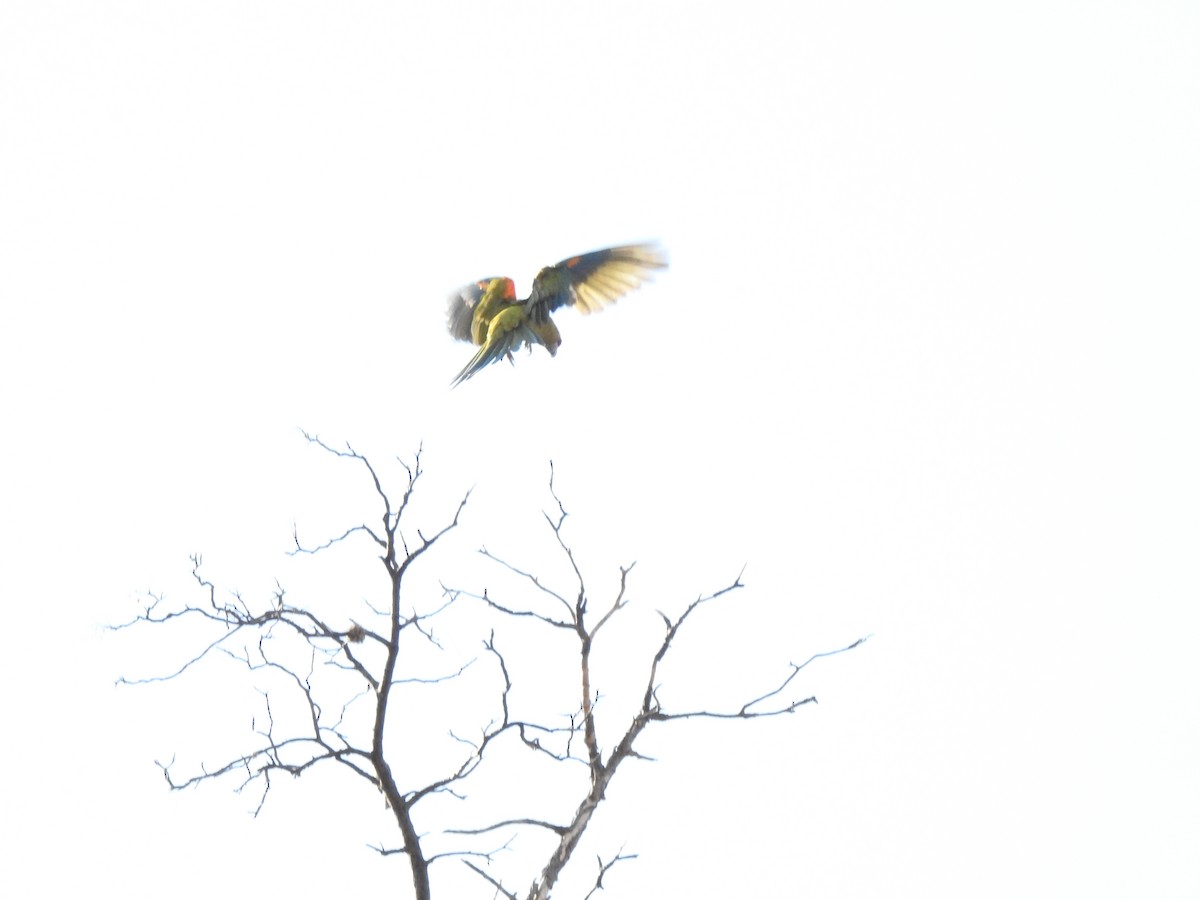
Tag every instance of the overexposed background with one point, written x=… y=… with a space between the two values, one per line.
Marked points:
x=925 y=362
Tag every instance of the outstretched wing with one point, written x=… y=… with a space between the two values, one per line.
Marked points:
x=594 y=280
x=461 y=309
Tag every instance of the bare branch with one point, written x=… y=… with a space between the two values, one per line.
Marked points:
x=508 y=611
x=336 y=540
x=531 y=578
x=618 y=603
x=581 y=598
x=477 y=854
x=604 y=867
x=484 y=875
x=187 y=665
x=743 y=713
x=317 y=675
x=538 y=823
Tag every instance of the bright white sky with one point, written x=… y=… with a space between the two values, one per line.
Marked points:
x=925 y=362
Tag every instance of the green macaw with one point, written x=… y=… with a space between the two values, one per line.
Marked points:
x=489 y=315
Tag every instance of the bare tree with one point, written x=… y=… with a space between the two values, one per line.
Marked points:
x=374 y=656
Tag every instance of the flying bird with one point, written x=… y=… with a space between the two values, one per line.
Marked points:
x=489 y=315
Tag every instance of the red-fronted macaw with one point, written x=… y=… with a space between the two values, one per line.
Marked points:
x=489 y=315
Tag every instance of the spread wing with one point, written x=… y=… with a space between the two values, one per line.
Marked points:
x=594 y=280
x=461 y=309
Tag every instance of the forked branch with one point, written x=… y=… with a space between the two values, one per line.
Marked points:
x=327 y=688
x=603 y=763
